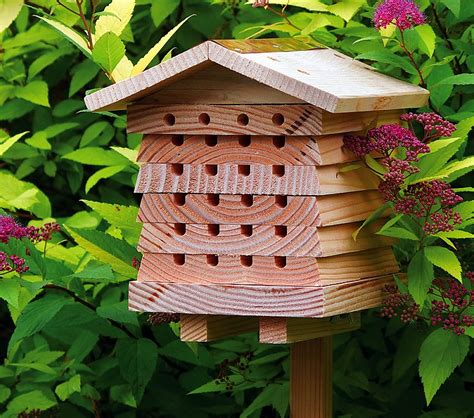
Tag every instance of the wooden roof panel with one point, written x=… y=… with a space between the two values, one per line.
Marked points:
x=320 y=76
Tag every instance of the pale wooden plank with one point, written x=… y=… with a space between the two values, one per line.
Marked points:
x=253 y=179
x=290 y=330
x=203 y=328
x=290 y=241
x=311 y=379
x=303 y=271
x=247 y=300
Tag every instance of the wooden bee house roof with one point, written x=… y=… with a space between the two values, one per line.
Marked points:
x=300 y=68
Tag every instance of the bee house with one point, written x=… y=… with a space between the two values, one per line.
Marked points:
x=247 y=210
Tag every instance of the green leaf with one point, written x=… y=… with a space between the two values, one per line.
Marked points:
x=123 y=394
x=45 y=60
x=376 y=214
x=313 y=5
x=9 y=10
x=103 y=173
x=440 y=354
x=5 y=145
x=115 y=17
x=130 y=154
x=67 y=388
x=70 y=34
x=39 y=140
x=453 y=5
x=118 y=312
x=387 y=57
x=120 y=216
x=444 y=259
x=427 y=37
x=459 y=79
x=270 y=395
x=4 y=393
x=107 y=249
x=96 y=156
x=137 y=362
x=346 y=8
x=108 y=51
x=456 y=234
x=123 y=70
x=420 y=276
x=408 y=348
x=397 y=232
x=141 y=65
x=35 y=92
x=36 y=316
x=160 y=10
x=30 y=401
x=217 y=386
x=84 y=72
x=10 y=291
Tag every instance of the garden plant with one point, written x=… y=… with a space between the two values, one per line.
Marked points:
x=68 y=230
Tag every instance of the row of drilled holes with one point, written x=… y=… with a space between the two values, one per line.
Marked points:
x=212 y=169
x=214 y=230
x=214 y=200
x=243 y=119
x=213 y=260
x=211 y=140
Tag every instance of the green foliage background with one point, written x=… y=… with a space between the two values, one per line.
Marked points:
x=70 y=346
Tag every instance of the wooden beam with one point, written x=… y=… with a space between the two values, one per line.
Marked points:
x=311 y=379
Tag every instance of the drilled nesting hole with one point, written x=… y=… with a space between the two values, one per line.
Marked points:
x=281 y=201
x=213 y=199
x=213 y=229
x=212 y=260
x=180 y=229
x=246 y=260
x=169 y=119
x=279 y=141
x=247 y=200
x=204 y=119
x=278 y=170
x=280 y=262
x=244 y=170
x=243 y=119
x=246 y=230
x=179 y=199
x=179 y=259
x=177 y=169
x=245 y=141
x=210 y=169
x=278 y=119
x=281 y=231
x=210 y=140
x=177 y=140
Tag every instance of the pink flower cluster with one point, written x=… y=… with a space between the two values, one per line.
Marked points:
x=12 y=263
x=404 y=14
x=448 y=309
x=430 y=202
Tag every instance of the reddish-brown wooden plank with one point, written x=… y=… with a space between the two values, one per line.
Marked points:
x=258 y=209
x=243 y=149
x=252 y=179
x=303 y=271
x=288 y=119
x=265 y=240
x=248 y=300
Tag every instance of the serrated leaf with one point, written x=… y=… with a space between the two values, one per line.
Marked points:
x=440 y=354
x=137 y=361
x=457 y=80
x=9 y=10
x=30 y=401
x=10 y=291
x=396 y=232
x=141 y=65
x=96 y=156
x=427 y=37
x=122 y=70
x=108 y=51
x=103 y=173
x=107 y=249
x=35 y=92
x=115 y=17
x=444 y=259
x=420 y=277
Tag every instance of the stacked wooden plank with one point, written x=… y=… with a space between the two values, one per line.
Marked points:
x=256 y=225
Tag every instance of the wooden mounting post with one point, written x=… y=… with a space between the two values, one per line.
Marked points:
x=311 y=378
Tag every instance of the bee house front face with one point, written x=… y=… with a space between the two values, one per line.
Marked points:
x=247 y=216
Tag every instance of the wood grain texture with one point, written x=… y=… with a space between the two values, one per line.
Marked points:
x=290 y=330
x=311 y=379
x=291 y=241
x=322 y=77
x=288 y=119
x=253 y=179
x=251 y=300
x=245 y=149
x=203 y=328
x=302 y=271
x=255 y=210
